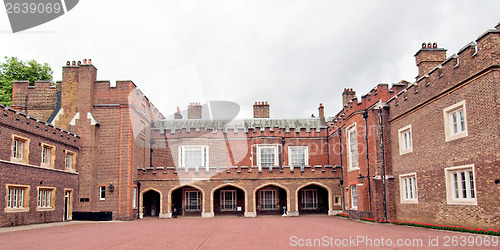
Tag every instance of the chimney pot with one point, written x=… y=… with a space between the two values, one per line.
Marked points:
x=68 y=63
x=261 y=110
x=424 y=45
x=90 y=61
x=79 y=63
x=84 y=61
x=194 y=111
x=434 y=45
x=73 y=63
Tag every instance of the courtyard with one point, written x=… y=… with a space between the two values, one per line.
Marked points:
x=235 y=233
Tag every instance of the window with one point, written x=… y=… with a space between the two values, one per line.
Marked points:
x=268 y=200
x=48 y=155
x=267 y=156
x=354 y=197
x=102 y=193
x=19 y=149
x=17 y=198
x=408 y=188
x=45 y=197
x=309 y=199
x=352 y=148
x=336 y=201
x=455 y=121
x=193 y=156
x=228 y=200
x=298 y=156
x=461 y=185
x=70 y=160
x=405 y=140
x=134 y=198
x=193 y=200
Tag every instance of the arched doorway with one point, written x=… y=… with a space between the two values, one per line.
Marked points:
x=151 y=203
x=229 y=200
x=187 y=200
x=271 y=200
x=313 y=199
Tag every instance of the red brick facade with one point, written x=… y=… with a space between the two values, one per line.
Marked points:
x=398 y=152
x=22 y=142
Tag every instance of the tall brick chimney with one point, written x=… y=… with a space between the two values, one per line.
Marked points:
x=321 y=112
x=177 y=114
x=428 y=57
x=347 y=96
x=194 y=110
x=261 y=110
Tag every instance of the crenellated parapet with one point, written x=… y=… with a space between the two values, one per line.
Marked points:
x=473 y=60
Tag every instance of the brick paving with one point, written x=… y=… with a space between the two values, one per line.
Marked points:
x=225 y=233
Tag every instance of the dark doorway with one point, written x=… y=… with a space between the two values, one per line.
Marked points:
x=313 y=199
x=151 y=201
x=187 y=201
x=229 y=200
x=271 y=200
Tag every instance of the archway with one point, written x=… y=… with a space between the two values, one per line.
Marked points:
x=313 y=199
x=271 y=200
x=151 y=203
x=187 y=200
x=228 y=200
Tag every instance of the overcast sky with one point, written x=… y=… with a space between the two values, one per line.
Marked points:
x=293 y=54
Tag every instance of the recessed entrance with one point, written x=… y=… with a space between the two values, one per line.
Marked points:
x=313 y=199
x=151 y=201
x=187 y=201
x=229 y=200
x=271 y=200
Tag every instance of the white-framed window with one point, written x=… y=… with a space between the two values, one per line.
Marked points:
x=45 y=197
x=354 y=197
x=20 y=149
x=17 y=198
x=228 y=200
x=461 y=185
x=193 y=157
x=70 y=159
x=102 y=193
x=268 y=199
x=192 y=200
x=455 y=121
x=134 y=197
x=352 y=147
x=48 y=155
x=309 y=199
x=267 y=155
x=408 y=188
x=298 y=156
x=405 y=140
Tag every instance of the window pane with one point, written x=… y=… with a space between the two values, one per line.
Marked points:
x=471 y=181
x=455 y=184
x=464 y=184
x=193 y=158
x=268 y=200
x=267 y=157
x=298 y=156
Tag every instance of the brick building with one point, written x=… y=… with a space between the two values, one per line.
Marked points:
x=38 y=170
x=425 y=151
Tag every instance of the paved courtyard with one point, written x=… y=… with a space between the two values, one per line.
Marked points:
x=234 y=233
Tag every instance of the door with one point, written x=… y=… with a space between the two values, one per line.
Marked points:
x=66 y=204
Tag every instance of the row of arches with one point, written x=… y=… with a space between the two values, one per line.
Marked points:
x=232 y=199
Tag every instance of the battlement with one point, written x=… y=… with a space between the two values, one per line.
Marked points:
x=473 y=59
x=380 y=92
x=21 y=120
x=237 y=171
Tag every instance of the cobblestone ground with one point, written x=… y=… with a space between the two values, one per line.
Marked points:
x=236 y=233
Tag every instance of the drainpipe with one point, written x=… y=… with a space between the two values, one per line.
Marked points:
x=383 y=158
x=138 y=199
x=341 y=171
x=365 y=117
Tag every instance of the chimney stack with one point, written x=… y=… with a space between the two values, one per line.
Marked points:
x=177 y=114
x=347 y=96
x=261 y=110
x=428 y=57
x=321 y=111
x=194 y=110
